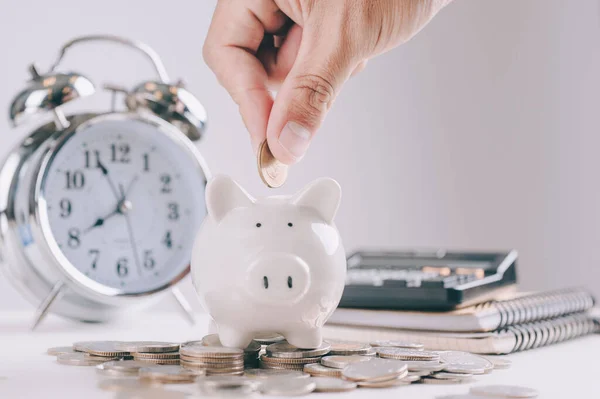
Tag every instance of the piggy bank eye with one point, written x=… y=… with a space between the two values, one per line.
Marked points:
x=290 y=224
x=258 y=224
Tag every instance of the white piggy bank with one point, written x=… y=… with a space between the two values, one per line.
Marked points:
x=272 y=264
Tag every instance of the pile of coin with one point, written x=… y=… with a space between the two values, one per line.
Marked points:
x=273 y=366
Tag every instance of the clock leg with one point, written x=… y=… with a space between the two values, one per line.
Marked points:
x=44 y=307
x=184 y=305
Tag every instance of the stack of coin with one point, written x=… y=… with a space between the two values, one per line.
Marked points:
x=89 y=353
x=169 y=374
x=250 y=353
x=215 y=360
x=152 y=351
x=284 y=356
x=377 y=373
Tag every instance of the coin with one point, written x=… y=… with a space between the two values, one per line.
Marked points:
x=429 y=380
x=374 y=370
x=78 y=359
x=220 y=365
x=169 y=373
x=399 y=344
x=213 y=340
x=283 y=366
x=100 y=348
x=422 y=366
x=217 y=352
x=328 y=384
x=268 y=338
x=505 y=391
x=131 y=366
x=339 y=362
x=290 y=360
x=100 y=369
x=394 y=382
x=60 y=350
x=168 y=355
x=411 y=378
x=286 y=350
x=451 y=376
x=285 y=387
x=464 y=362
x=499 y=362
x=267 y=373
x=272 y=172
x=148 y=346
x=317 y=369
x=126 y=385
x=405 y=354
x=349 y=348
x=158 y=361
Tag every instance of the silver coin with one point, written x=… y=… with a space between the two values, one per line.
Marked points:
x=339 y=362
x=230 y=385
x=217 y=352
x=286 y=350
x=78 y=359
x=422 y=366
x=405 y=354
x=277 y=386
x=375 y=370
x=130 y=366
x=328 y=384
x=349 y=348
x=429 y=380
x=116 y=373
x=59 y=350
x=100 y=348
x=267 y=373
x=464 y=362
x=148 y=346
x=317 y=369
x=268 y=338
x=399 y=344
x=504 y=391
x=289 y=360
x=499 y=362
x=419 y=373
x=451 y=376
x=126 y=385
x=394 y=382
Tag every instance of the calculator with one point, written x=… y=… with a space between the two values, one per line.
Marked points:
x=426 y=280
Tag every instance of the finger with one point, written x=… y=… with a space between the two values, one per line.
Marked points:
x=318 y=73
x=278 y=62
x=235 y=34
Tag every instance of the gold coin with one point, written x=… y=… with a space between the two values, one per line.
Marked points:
x=272 y=172
x=317 y=369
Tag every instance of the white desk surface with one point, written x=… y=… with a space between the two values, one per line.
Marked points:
x=568 y=371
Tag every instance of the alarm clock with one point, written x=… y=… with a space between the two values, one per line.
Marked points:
x=99 y=210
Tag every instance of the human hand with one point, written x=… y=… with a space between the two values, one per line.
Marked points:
x=324 y=43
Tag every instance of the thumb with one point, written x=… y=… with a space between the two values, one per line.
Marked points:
x=306 y=95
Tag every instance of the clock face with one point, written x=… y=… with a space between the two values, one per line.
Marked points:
x=121 y=201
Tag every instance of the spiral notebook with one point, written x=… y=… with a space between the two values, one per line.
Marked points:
x=511 y=310
x=503 y=341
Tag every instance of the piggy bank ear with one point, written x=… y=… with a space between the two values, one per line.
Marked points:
x=223 y=195
x=322 y=195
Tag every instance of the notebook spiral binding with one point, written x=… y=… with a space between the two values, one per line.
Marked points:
x=548 y=332
x=542 y=306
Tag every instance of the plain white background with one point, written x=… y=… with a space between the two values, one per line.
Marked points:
x=480 y=133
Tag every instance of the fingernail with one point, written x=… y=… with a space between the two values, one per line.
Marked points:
x=295 y=138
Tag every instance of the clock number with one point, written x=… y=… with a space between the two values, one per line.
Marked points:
x=149 y=261
x=65 y=208
x=146 y=163
x=95 y=254
x=166 y=183
x=168 y=241
x=75 y=179
x=88 y=159
x=120 y=153
x=74 y=241
x=122 y=267
x=173 y=211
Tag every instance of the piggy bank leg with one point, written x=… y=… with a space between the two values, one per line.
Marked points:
x=307 y=338
x=234 y=338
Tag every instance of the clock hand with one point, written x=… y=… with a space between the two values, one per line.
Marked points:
x=130 y=185
x=110 y=182
x=130 y=231
x=123 y=207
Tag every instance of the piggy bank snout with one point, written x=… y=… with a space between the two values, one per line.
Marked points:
x=278 y=278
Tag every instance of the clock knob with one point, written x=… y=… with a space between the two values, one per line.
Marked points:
x=172 y=103
x=47 y=93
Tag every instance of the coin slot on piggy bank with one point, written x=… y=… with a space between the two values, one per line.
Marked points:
x=269 y=264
